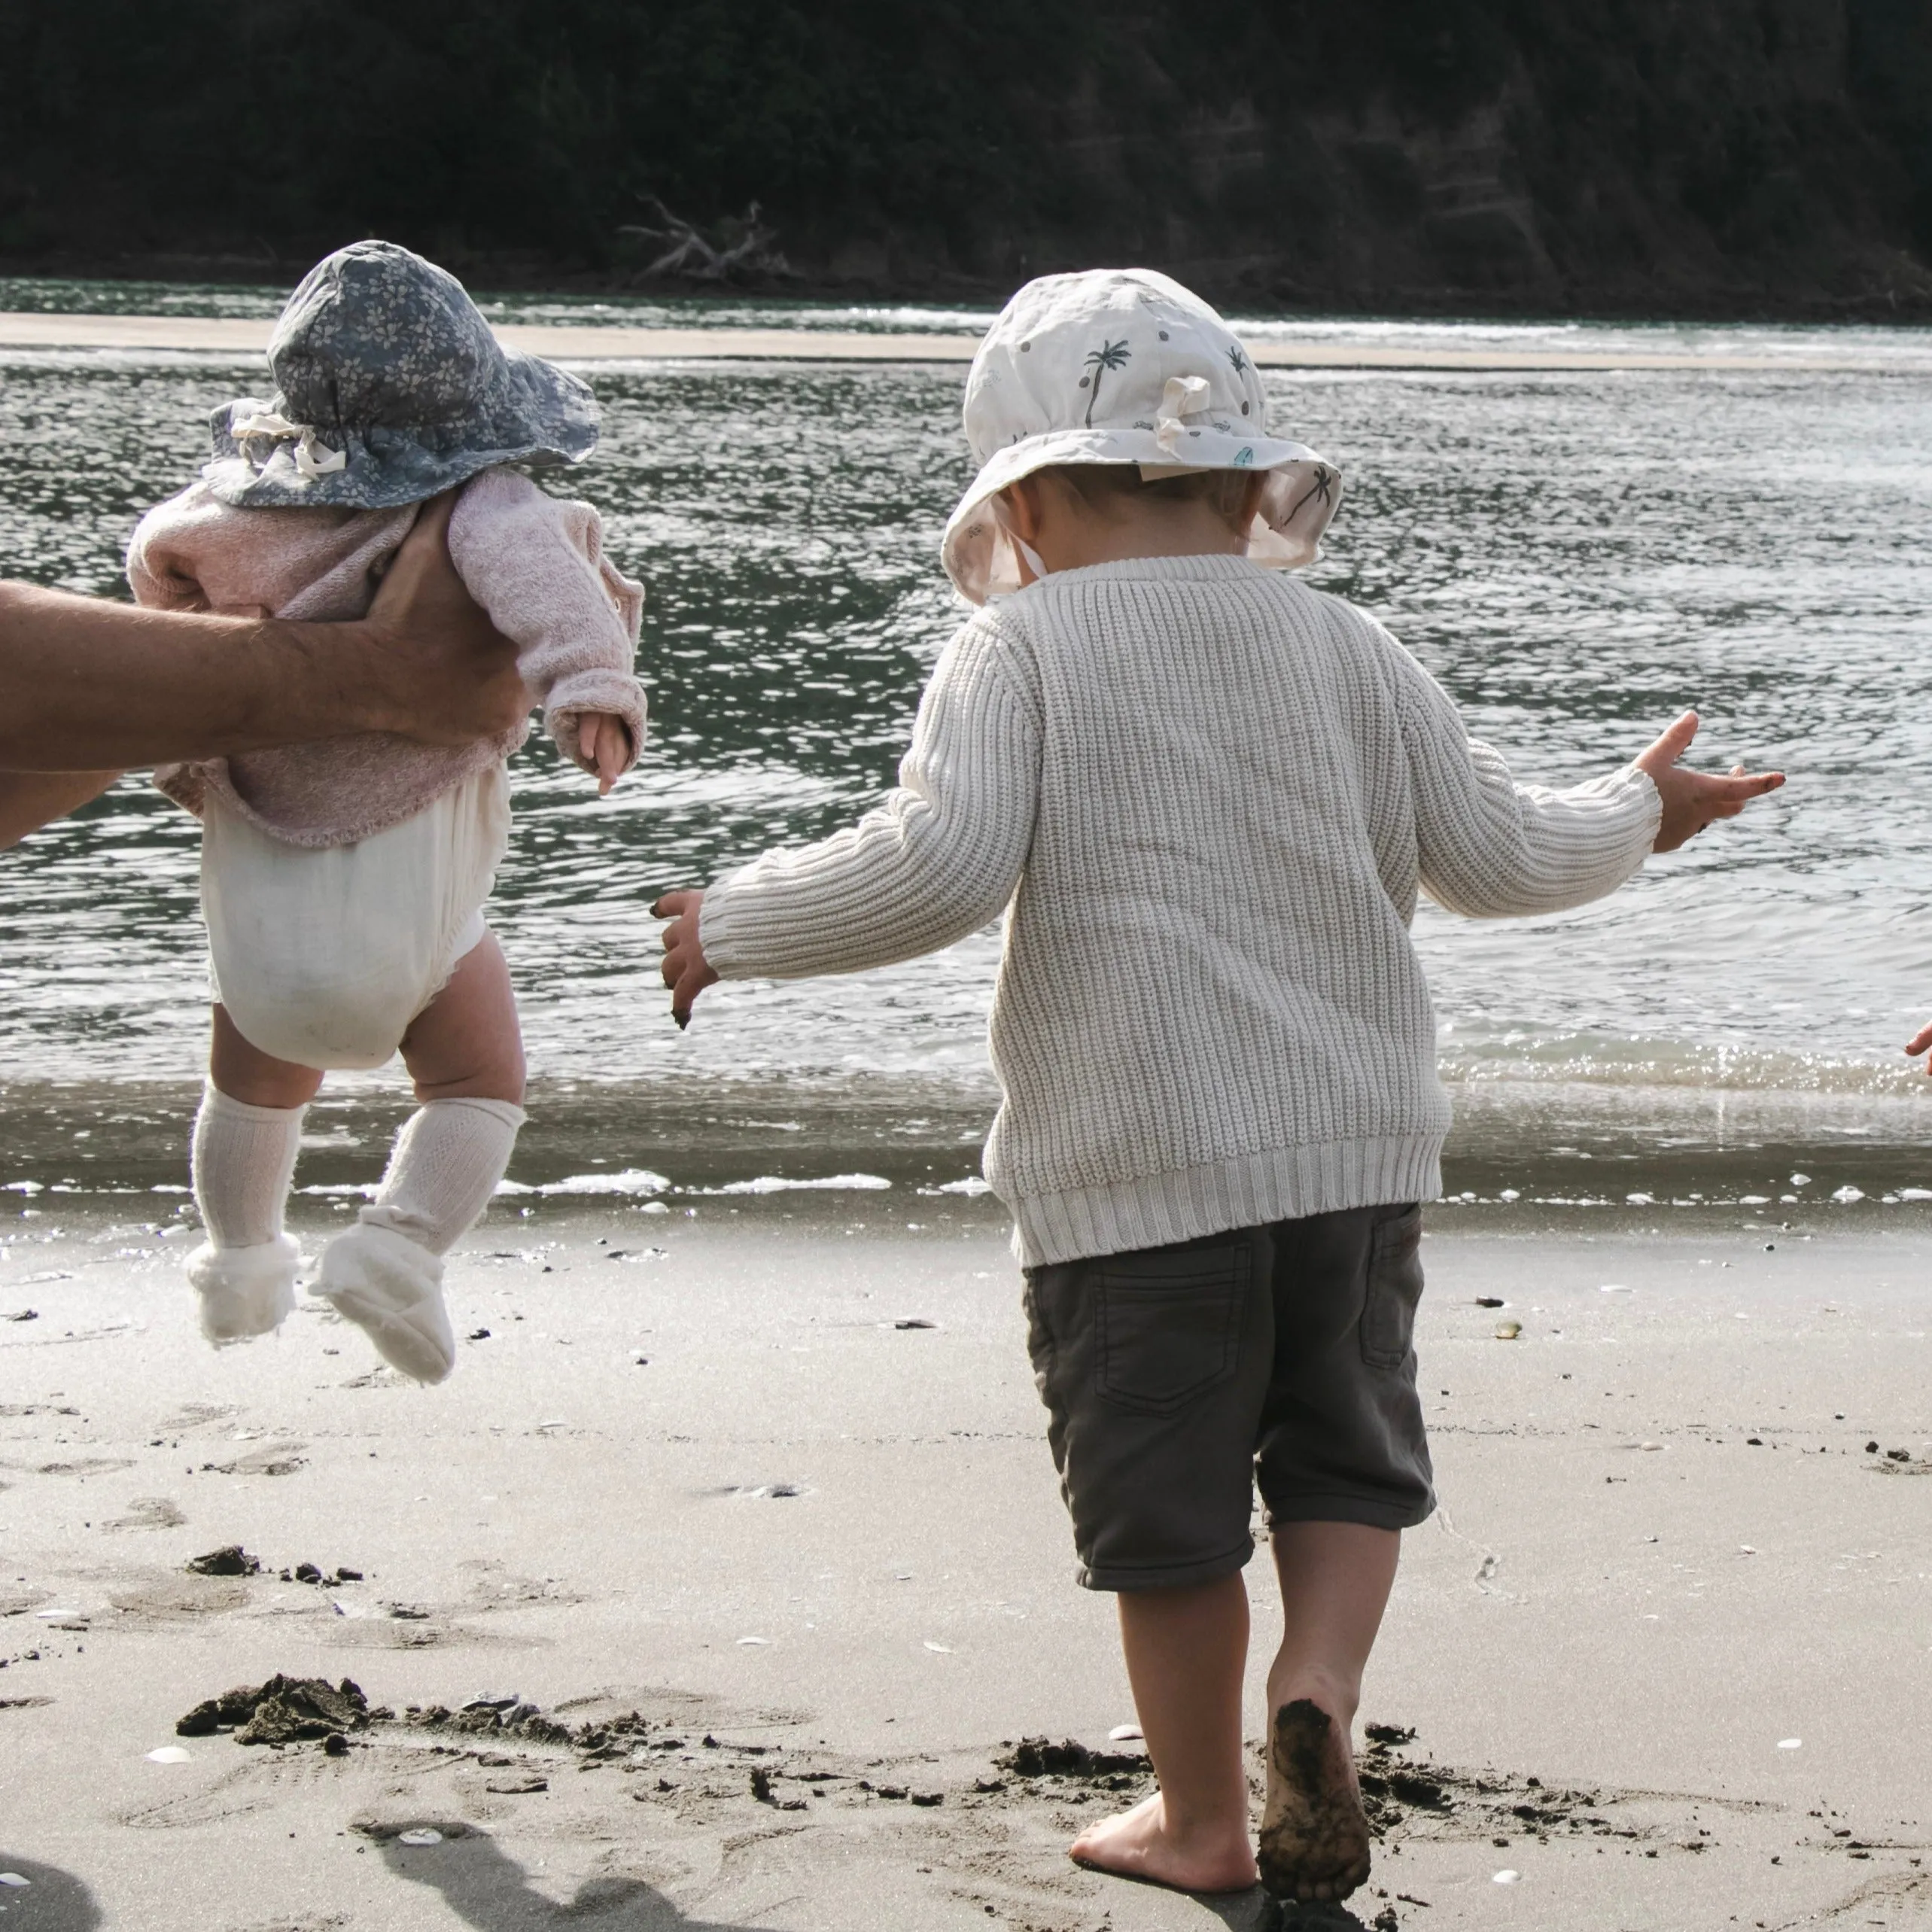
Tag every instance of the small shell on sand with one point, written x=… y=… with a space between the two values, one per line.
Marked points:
x=1507 y=1331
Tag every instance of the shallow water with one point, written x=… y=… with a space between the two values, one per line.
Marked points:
x=1576 y=555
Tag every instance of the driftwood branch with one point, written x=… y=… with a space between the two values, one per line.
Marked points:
x=744 y=248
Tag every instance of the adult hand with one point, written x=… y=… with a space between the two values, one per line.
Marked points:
x=1919 y=1042
x=686 y=971
x=450 y=677
x=1692 y=799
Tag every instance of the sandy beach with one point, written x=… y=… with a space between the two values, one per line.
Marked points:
x=740 y=1522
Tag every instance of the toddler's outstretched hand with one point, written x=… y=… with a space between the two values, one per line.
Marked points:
x=1919 y=1042
x=686 y=971
x=603 y=743
x=1692 y=799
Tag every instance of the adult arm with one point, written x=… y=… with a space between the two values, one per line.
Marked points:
x=90 y=685
x=938 y=860
x=31 y=799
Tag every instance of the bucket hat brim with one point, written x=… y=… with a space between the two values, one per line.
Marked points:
x=1299 y=499
x=532 y=412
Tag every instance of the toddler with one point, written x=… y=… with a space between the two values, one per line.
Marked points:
x=1210 y=795
x=343 y=882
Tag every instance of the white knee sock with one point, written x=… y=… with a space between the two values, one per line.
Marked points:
x=244 y=1160
x=449 y=1158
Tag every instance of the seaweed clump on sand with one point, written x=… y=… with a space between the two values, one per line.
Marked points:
x=1389 y=1784
x=1449 y=1803
x=230 y=1560
x=512 y=1718
x=1040 y=1757
x=285 y=1710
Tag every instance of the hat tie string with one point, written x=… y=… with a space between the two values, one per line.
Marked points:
x=1183 y=395
x=313 y=457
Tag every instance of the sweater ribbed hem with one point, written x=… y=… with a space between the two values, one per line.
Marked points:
x=1281 y=1184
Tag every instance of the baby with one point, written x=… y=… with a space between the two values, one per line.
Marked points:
x=343 y=882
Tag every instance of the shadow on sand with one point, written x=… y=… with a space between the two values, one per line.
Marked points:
x=487 y=1888
x=51 y=1901
x=1255 y=1911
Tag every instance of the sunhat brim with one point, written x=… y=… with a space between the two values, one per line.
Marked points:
x=1300 y=499
x=533 y=412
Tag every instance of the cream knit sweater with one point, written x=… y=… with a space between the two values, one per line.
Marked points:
x=1210 y=794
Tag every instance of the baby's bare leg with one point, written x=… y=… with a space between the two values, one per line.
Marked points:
x=1335 y=1581
x=256 y=1079
x=466 y=1043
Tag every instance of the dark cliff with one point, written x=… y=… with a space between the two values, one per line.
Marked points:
x=1692 y=156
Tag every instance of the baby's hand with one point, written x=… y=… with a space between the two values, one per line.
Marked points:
x=1919 y=1042
x=603 y=742
x=1692 y=799
x=686 y=971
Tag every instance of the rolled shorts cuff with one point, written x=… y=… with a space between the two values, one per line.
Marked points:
x=1376 y=1512
x=1172 y=1576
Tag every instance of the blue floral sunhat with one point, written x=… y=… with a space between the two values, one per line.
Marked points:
x=1123 y=366
x=390 y=387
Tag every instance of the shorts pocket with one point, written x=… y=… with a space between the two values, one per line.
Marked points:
x=1395 y=1288
x=1169 y=1324
x=1039 y=1332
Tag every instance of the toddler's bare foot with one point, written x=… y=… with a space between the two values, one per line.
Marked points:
x=1314 y=1835
x=1138 y=1845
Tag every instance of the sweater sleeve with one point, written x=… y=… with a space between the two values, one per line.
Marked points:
x=536 y=564
x=938 y=860
x=1488 y=847
x=160 y=565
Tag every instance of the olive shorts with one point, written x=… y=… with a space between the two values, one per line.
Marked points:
x=1175 y=1378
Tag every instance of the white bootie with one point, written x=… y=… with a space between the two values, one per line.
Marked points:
x=245 y=1291
x=392 y=1290
x=386 y=1273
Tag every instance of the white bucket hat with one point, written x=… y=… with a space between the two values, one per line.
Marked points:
x=1122 y=365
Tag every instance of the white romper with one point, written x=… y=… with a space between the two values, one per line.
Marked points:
x=324 y=956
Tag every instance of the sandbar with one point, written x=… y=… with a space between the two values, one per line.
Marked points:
x=243 y=337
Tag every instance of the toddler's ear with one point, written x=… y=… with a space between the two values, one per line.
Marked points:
x=1020 y=504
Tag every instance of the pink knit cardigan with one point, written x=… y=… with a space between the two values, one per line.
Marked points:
x=534 y=561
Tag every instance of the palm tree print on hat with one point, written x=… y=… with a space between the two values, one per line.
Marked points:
x=1108 y=355
x=1323 y=487
x=1237 y=356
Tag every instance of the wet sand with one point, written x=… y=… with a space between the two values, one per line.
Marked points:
x=592 y=343
x=803 y=1565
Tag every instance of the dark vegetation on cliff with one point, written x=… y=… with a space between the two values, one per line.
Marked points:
x=1693 y=156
